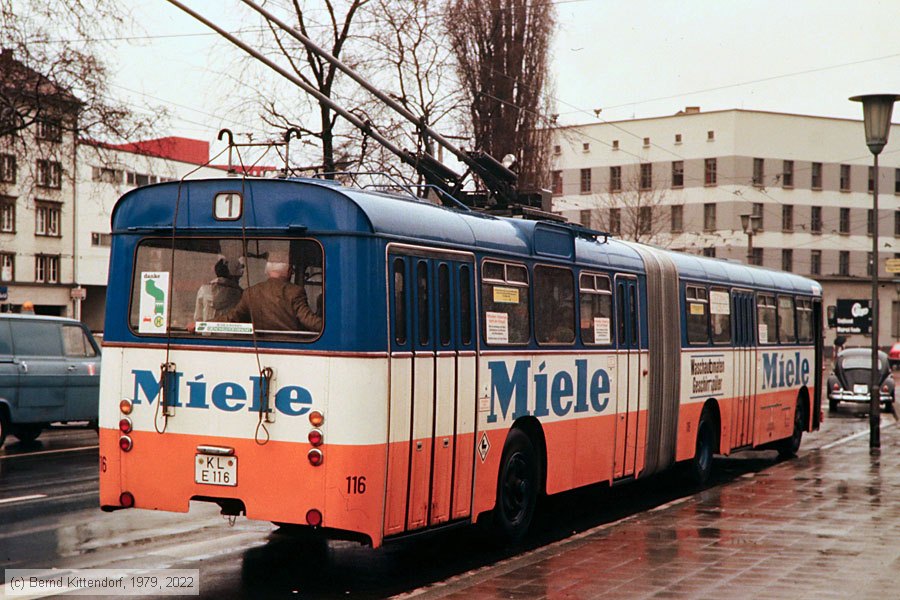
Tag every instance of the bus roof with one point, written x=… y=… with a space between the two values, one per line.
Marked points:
x=318 y=206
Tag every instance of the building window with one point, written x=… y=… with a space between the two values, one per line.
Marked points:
x=815 y=221
x=49 y=130
x=584 y=217
x=556 y=177
x=7 y=168
x=677 y=138
x=815 y=181
x=709 y=217
x=759 y=166
x=49 y=174
x=646 y=142
x=645 y=219
x=677 y=173
x=585 y=181
x=870 y=221
x=615 y=221
x=871 y=182
x=646 y=176
x=7 y=215
x=787 y=260
x=557 y=149
x=106 y=175
x=897 y=181
x=787 y=174
x=46 y=218
x=787 y=217
x=105 y=239
x=7 y=266
x=844 y=224
x=710 y=136
x=140 y=179
x=710 y=252
x=709 y=170
x=815 y=262
x=678 y=218
x=845 y=178
x=615 y=144
x=843 y=262
x=46 y=268
x=756 y=257
x=758 y=213
x=896 y=223
x=615 y=179
x=586 y=147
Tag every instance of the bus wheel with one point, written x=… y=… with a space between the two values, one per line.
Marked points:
x=28 y=432
x=788 y=447
x=701 y=465
x=517 y=487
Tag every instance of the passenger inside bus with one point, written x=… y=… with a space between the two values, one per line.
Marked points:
x=216 y=298
x=276 y=303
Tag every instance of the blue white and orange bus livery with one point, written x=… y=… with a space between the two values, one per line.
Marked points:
x=467 y=364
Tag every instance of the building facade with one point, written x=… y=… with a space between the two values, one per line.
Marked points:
x=684 y=181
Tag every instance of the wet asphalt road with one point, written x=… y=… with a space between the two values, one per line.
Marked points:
x=49 y=519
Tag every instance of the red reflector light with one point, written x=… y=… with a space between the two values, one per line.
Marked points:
x=315 y=457
x=315 y=437
x=125 y=443
x=313 y=517
x=126 y=407
x=836 y=386
x=884 y=389
x=126 y=499
x=125 y=425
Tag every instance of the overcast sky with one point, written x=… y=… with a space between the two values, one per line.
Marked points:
x=631 y=58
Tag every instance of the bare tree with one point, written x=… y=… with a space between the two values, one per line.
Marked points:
x=637 y=208
x=501 y=48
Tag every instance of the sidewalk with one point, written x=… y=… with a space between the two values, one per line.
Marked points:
x=826 y=525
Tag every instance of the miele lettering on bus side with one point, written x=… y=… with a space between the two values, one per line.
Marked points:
x=230 y=396
x=782 y=370
x=560 y=393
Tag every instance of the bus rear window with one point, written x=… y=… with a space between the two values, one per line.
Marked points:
x=228 y=288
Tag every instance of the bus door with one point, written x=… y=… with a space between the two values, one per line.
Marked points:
x=744 y=368
x=628 y=375
x=432 y=392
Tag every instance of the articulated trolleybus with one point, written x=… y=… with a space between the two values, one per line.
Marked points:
x=462 y=366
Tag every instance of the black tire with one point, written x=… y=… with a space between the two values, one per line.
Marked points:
x=889 y=407
x=788 y=447
x=832 y=405
x=701 y=466
x=27 y=432
x=517 y=488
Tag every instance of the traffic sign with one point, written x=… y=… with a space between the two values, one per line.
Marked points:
x=892 y=265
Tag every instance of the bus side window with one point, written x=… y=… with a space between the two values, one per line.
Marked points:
x=720 y=315
x=465 y=305
x=443 y=298
x=595 y=298
x=422 y=302
x=767 y=320
x=554 y=306
x=786 y=333
x=696 y=305
x=804 y=320
x=504 y=300
x=399 y=301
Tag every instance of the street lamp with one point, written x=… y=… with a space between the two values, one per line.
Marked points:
x=750 y=223
x=877 y=110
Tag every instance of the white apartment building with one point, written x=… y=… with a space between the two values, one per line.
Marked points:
x=683 y=182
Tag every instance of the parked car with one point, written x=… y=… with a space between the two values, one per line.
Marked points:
x=894 y=355
x=851 y=378
x=49 y=372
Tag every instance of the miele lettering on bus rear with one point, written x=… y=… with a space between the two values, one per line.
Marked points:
x=559 y=392
x=780 y=369
x=230 y=396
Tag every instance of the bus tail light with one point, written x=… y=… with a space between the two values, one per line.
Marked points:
x=836 y=386
x=126 y=406
x=316 y=418
x=313 y=517
x=125 y=443
x=884 y=389
x=315 y=457
x=126 y=499
x=125 y=425
x=316 y=438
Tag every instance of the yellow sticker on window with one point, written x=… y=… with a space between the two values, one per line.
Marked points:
x=505 y=295
x=698 y=309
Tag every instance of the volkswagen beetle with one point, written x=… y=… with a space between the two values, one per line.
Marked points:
x=851 y=378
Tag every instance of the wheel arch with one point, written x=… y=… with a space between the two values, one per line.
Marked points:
x=531 y=427
x=711 y=407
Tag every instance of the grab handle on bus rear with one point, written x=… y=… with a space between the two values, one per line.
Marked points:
x=265 y=384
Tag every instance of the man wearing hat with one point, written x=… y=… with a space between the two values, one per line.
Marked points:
x=276 y=303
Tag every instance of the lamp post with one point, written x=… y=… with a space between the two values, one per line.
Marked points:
x=877 y=110
x=750 y=223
